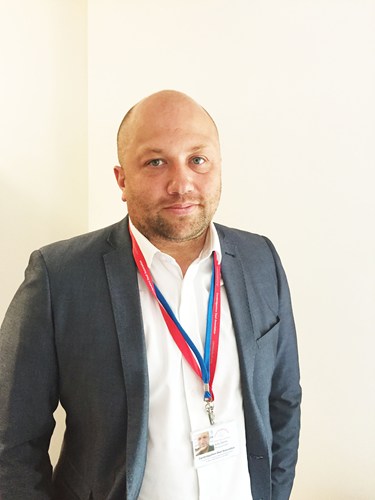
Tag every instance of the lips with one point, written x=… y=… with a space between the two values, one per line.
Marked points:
x=182 y=208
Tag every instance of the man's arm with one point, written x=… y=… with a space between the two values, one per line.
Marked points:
x=28 y=388
x=285 y=396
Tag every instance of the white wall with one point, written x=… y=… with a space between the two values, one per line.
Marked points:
x=43 y=133
x=290 y=85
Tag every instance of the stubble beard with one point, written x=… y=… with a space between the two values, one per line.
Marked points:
x=158 y=227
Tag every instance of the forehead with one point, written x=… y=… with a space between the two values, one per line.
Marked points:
x=173 y=141
x=151 y=122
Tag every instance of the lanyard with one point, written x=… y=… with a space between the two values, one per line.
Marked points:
x=205 y=366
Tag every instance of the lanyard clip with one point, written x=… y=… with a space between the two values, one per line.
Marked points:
x=210 y=411
x=209 y=403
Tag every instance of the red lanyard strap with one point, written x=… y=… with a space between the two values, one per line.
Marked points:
x=204 y=367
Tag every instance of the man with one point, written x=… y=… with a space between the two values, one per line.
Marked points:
x=204 y=445
x=107 y=323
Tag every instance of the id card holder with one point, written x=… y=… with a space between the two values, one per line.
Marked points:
x=215 y=443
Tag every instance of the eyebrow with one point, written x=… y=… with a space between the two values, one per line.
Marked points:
x=160 y=151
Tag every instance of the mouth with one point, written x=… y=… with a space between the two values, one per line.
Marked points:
x=186 y=208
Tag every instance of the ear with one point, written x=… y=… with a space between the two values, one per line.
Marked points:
x=120 y=178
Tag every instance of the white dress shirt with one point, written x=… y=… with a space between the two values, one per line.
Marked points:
x=176 y=392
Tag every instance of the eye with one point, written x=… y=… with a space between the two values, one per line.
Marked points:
x=198 y=160
x=157 y=162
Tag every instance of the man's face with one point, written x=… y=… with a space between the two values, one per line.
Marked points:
x=170 y=174
x=203 y=440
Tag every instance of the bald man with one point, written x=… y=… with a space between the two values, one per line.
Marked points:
x=151 y=333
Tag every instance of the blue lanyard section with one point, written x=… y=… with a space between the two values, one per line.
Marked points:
x=204 y=363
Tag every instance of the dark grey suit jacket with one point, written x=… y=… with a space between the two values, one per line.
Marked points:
x=74 y=333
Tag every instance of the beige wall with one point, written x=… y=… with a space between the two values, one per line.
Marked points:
x=291 y=86
x=43 y=132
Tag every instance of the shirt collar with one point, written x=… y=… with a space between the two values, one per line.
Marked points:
x=212 y=244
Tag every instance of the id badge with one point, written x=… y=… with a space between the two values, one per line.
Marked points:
x=214 y=443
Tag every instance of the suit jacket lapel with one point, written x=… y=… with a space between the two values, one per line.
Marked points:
x=123 y=285
x=238 y=297
x=239 y=289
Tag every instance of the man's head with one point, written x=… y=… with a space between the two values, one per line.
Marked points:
x=170 y=167
x=203 y=440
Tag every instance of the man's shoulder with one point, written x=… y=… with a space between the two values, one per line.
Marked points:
x=100 y=240
x=251 y=247
x=239 y=236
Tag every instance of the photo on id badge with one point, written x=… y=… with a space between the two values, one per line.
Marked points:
x=204 y=445
x=215 y=443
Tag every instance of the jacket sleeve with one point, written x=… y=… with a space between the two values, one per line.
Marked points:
x=28 y=388
x=285 y=396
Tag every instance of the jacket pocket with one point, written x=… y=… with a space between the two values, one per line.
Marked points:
x=265 y=359
x=270 y=337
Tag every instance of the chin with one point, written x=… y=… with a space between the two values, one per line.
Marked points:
x=170 y=231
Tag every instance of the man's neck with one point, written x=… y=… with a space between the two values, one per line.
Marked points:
x=184 y=252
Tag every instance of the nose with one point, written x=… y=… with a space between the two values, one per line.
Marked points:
x=180 y=179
